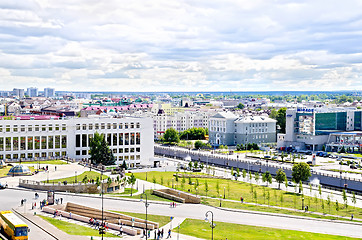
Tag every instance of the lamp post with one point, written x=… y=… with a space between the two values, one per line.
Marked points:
x=211 y=223
x=302 y=203
x=220 y=200
x=146 y=205
x=102 y=229
x=75 y=177
x=224 y=192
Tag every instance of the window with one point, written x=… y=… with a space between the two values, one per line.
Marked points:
x=120 y=150
x=109 y=139
x=96 y=126
x=30 y=128
x=138 y=149
x=108 y=126
x=126 y=139
x=126 y=125
x=15 y=128
x=120 y=139
x=77 y=127
x=50 y=128
x=84 y=140
x=138 y=138
x=132 y=125
x=103 y=126
x=43 y=142
x=43 y=128
x=138 y=125
x=114 y=125
x=15 y=143
x=120 y=126
x=90 y=126
x=64 y=127
x=132 y=139
x=22 y=144
x=77 y=140
x=84 y=152
x=56 y=127
x=57 y=141
x=114 y=150
x=7 y=128
x=64 y=141
x=30 y=143
x=115 y=140
x=50 y=142
x=126 y=150
x=84 y=127
x=77 y=153
x=36 y=128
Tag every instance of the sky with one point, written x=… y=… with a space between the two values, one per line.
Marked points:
x=181 y=45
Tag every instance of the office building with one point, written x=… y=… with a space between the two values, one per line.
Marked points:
x=32 y=92
x=49 y=92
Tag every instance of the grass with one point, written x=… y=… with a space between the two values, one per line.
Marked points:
x=50 y=162
x=89 y=174
x=74 y=229
x=259 y=208
x=251 y=193
x=147 y=192
x=4 y=171
x=336 y=170
x=231 y=231
x=161 y=220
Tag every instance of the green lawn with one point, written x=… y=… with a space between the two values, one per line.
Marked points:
x=148 y=193
x=50 y=162
x=161 y=220
x=231 y=231
x=89 y=174
x=251 y=193
x=4 y=171
x=251 y=207
x=74 y=229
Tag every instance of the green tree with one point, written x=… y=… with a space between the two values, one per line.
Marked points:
x=268 y=177
x=199 y=144
x=206 y=187
x=345 y=200
x=85 y=179
x=281 y=198
x=171 y=136
x=217 y=188
x=244 y=173
x=131 y=181
x=256 y=176
x=232 y=171
x=154 y=180
x=300 y=172
x=280 y=116
x=237 y=173
x=99 y=151
x=268 y=196
x=280 y=177
x=354 y=199
x=337 y=206
x=329 y=203
x=240 y=106
x=124 y=165
x=161 y=180
x=195 y=165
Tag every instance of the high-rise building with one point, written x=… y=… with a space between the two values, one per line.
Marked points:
x=49 y=92
x=32 y=92
x=18 y=92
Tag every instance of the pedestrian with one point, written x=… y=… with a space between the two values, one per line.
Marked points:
x=162 y=233
x=70 y=215
x=21 y=202
x=352 y=217
x=120 y=230
x=155 y=234
x=169 y=233
x=241 y=199
x=61 y=200
x=55 y=168
x=158 y=234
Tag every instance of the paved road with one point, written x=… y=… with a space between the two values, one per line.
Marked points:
x=12 y=198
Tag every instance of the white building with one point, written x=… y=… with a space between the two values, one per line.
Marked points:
x=49 y=92
x=225 y=128
x=32 y=92
x=130 y=139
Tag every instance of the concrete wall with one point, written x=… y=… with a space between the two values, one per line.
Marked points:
x=178 y=195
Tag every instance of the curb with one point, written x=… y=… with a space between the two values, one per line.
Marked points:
x=35 y=224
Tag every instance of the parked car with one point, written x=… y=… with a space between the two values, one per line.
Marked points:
x=309 y=162
x=3 y=186
x=352 y=166
x=274 y=158
x=291 y=184
x=267 y=157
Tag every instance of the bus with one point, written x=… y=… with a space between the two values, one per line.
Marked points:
x=13 y=226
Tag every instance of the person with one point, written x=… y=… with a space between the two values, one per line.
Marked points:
x=169 y=233
x=21 y=202
x=120 y=230
x=241 y=199
x=162 y=233
x=55 y=168
x=149 y=233
x=352 y=217
x=61 y=200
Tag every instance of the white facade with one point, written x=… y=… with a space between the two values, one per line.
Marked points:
x=49 y=92
x=130 y=139
x=32 y=92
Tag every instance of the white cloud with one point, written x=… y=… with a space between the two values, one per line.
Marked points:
x=181 y=45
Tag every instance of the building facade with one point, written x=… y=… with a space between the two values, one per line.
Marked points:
x=49 y=92
x=130 y=139
x=311 y=128
x=226 y=128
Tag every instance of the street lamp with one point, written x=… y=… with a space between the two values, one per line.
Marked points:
x=220 y=200
x=102 y=229
x=302 y=203
x=212 y=225
x=146 y=205
x=75 y=177
x=224 y=192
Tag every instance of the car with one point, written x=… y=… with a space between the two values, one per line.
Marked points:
x=3 y=186
x=267 y=157
x=291 y=184
x=352 y=166
x=309 y=162
x=274 y=158
x=303 y=157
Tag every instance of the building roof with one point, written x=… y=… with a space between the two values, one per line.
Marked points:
x=227 y=115
x=254 y=119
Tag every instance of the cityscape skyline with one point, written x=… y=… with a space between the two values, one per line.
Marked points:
x=181 y=46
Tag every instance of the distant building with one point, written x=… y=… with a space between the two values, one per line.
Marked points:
x=49 y=92
x=225 y=128
x=18 y=92
x=32 y=92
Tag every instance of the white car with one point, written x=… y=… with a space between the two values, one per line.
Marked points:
x=291 y=184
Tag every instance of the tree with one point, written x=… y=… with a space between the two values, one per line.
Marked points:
x=244 y=173
x=281 y=198
x=132 y=181
x=206 y=187
x=154 y=182
x=268 y=196
x=85 y=179
x=345 y=200
x=199 y=144
x=217 y=188
x=124 y=165
x=232 y=171
x=171 y=136
x=329 y=203
x=195 y=165
x=280 y=177
x=161 y=180
x=237 y=173
x=99 y=151
x=281 y=119
x=300 y=172
x=267 y=177
x=354 y=199
x=240 y=106
x=256 y=176
x=337 y=206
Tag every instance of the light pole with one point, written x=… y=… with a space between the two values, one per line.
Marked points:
x=102 y=230
x=75 y=177
x=211 y=223
x=224 y=192
x=146 y=205
x=302 y=203
x=220 y=200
